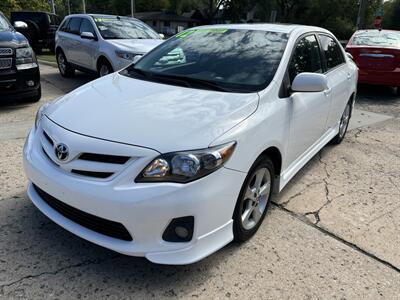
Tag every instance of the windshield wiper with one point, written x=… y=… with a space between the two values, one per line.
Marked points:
x=191 y=81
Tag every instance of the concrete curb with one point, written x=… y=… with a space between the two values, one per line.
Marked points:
x=48 y=63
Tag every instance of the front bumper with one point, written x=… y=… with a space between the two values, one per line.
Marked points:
x=144 y=209
x=14 y=83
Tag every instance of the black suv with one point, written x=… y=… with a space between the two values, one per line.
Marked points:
x=19 y=71
x=41 y=30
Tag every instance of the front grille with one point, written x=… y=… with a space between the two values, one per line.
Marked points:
x=48 y=138
x=111 y=159
x=95 y=165
x=92 y=174
x=97 y=224
x=6 y=51
x=5 y=63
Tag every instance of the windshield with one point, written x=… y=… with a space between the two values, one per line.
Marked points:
x=232 y=60
x=124 y=28
x=4 y=25
x=377 y=38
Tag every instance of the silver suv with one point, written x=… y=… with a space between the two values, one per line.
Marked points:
x=101 y=44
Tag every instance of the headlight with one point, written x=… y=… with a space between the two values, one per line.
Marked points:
x=126 y=55
x=39 y=114
x=25 y=56
x=186 y=166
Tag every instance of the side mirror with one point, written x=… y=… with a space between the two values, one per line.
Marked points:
x=20 y=25
x=136 y=58
x=309 y=82
x=349 y=56
x=87 y=35
x=161 y=35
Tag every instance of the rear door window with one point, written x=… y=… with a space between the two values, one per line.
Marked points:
x=332 y=52
x=74 y=25
x=306 y=57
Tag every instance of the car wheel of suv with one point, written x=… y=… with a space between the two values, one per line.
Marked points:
x=63 y=66
x=343 y=125
x=254 y=199
x=104 y=68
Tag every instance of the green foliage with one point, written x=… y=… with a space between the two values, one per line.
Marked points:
x=339 y=16
x=391 y=18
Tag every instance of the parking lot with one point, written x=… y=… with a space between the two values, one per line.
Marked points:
x=332 y=233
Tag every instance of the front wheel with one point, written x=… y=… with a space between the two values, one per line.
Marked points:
x=254 y=200
x=63 y=66
x=343 y=125
x=104 y=68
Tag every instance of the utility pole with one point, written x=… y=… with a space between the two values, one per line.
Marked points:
x=361 y=14
x=84 y=6
x=133 y=8
x=69 y=7
x=53 y=7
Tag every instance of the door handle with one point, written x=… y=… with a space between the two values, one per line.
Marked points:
x=327 y=92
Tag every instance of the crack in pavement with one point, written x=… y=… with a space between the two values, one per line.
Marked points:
x=81 y=264
x=338 y=238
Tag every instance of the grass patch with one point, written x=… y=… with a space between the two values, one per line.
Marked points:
x=47 y=57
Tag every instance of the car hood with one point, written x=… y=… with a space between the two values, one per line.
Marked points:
x=148 y=114
x=12 y=39
x=139 y=46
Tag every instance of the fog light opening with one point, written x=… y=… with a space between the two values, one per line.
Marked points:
x=179 y=230
x=30 y=83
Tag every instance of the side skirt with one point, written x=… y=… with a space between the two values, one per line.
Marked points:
x=288 y=174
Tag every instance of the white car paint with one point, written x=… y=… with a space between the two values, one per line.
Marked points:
x=123 y=116
x=85 y=53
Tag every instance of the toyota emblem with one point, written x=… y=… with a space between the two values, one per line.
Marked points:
x=62 y=152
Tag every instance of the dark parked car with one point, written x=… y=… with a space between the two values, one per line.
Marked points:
x=41 y=30
x=19 y=71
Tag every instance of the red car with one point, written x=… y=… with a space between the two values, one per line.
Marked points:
x=377 y=55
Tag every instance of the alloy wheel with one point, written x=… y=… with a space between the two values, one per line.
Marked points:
x=344 y=121
x=61 y=63
x=255 y=199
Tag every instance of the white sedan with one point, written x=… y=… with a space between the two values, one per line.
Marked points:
x=178 y=154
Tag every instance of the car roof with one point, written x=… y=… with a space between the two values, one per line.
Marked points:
x=98 y=16
x=274 y=27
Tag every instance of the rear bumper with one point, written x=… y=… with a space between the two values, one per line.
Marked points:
x=390 y=78
x=14 y=83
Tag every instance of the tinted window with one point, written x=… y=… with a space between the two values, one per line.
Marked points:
x=74 y=25
x=306 y=57
x=64 y=25
x=377 y=38
x=86 y=26
x=236 y=60
x=333 y=53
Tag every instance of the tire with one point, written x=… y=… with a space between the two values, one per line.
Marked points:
x=253 y=203
x=343 y=125
x=66 y=70
x=104 y=68
x=37 y=97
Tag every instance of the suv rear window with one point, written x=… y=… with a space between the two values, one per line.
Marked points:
x=377 y=38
